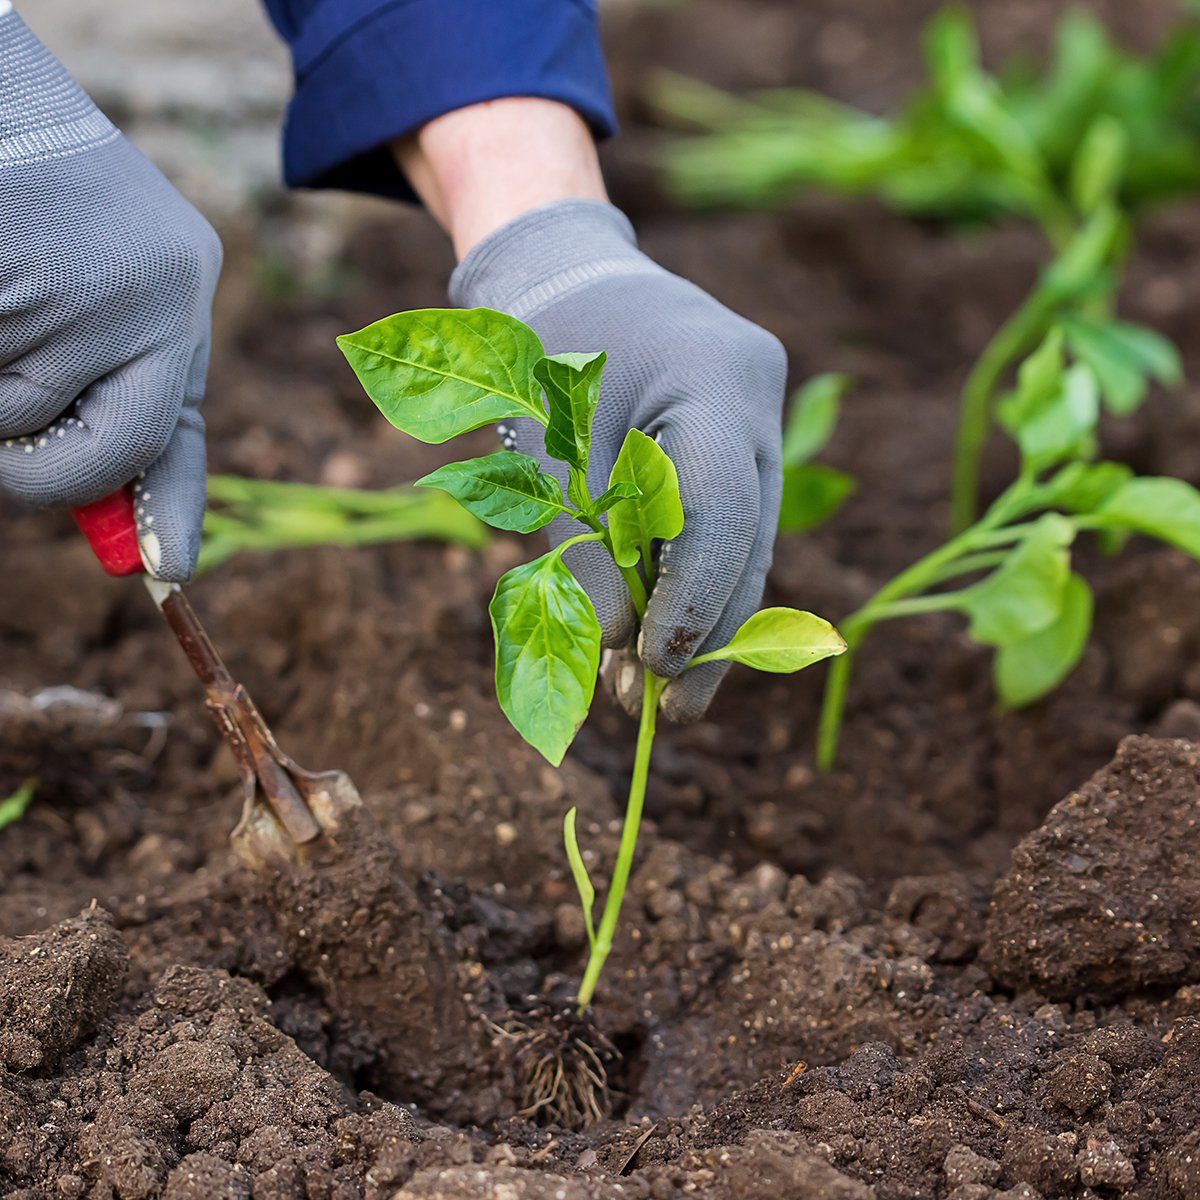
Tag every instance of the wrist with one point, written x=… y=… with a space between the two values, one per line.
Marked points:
x=540 y=256
x=481 y=167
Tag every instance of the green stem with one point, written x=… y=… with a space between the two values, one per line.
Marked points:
x=578 y=540
x=893 y=599
x=652 y=688
x=633 y=581
x=915 y=606
x=833 y=702
x=1012 y=339
x=969 y=564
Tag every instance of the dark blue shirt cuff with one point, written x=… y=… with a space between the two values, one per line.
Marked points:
x=368 y=71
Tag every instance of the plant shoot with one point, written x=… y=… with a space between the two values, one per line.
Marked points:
x=439 y=373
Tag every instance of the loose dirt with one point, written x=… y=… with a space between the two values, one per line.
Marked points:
x=924 y=975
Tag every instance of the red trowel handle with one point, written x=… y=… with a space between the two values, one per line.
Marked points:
x=111 y=531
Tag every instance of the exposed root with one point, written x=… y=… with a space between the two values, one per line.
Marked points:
x=561 y=1063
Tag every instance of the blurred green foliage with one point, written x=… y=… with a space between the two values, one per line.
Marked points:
x=968 y=146
x=260 y=514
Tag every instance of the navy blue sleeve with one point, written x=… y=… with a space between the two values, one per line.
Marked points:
x=367 y=71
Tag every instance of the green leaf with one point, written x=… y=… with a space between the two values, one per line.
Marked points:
x=1041 y=374
x=812 y=418
x=658 y=512
x=1124 y=357
x=1081 y=264
x=1028 y=669
x=812 y=493
x=1161 y=507
x=1039 y=380
x=1063 y=426
x=1099 y=164
x=1053 y=412
x=779 y=640
x=507 y=490
x=579 y=872
x=613 y=496
x=951 y=47
x=547 y=652
x=973 y=100
x=1082 y=487
x=439 y=372
x=572 y=383
x=13 y=808
x=1024 y=594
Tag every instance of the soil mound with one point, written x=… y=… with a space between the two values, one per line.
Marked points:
x=1104 y=897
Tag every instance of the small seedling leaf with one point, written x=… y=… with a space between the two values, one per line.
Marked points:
x=658 y=512
x=780 y=640
x=547 y=653
x=1099 y=164
x=812 y=418
x=439 y=372
x=1024 y=594
x=507 y=490
x=13 y=808
x=572 y=383
x=1124 y=358
x=951 y=48
x=1161 y=507
x=1081 y=264
x=812 y=493
x=613 y=496
x=1028 y=669
x=579 y=872
x=1063 y=426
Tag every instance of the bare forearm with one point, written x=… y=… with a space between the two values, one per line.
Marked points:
x=479 y=167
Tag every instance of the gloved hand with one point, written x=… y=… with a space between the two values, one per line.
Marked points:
x=106 y=284
x=704 y=381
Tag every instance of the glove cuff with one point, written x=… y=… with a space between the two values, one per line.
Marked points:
x=546 y=253
x=44 y=113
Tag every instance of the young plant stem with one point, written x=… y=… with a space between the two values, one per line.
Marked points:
x=1016 y=336
x=652 y=689
x=971 y=550
x=633 y=581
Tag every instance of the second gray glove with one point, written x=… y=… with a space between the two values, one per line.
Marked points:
x=106 y=284
x=708 y=384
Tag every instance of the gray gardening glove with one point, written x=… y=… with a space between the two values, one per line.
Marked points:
x=682 y=368
x=106 y=284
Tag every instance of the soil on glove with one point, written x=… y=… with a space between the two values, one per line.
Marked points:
x=965 y=964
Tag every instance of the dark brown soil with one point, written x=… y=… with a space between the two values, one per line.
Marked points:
x=810 y=995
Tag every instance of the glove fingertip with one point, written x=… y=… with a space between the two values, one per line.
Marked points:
x=617 y=625
x=173 y=561
x=686 y=699
x=667 y=649
x=622 y=674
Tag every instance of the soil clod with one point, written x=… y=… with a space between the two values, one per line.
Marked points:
x=1104 y=897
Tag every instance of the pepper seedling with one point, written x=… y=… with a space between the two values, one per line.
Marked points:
x=438 y=373
x=1021 y=597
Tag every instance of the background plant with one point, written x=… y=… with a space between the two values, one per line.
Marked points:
x=1009 y=573
x=967 y=146
x=258 y=514
x=812 y=492
x=438 y=373
x=1097 y=137
x=14 y=807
